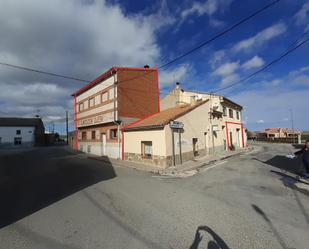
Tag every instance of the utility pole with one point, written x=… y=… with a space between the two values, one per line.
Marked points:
x=67 y=125
x=211 y=127
x=292 y=121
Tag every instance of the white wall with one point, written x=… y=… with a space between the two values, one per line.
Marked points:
x=133 y=139
x=8 y=134
x=112 y=150
x=98 y=88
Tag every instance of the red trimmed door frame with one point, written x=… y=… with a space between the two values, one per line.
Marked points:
x=227 y=133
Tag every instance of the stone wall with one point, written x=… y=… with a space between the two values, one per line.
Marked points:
x=159 y=161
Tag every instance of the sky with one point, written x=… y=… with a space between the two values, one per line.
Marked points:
x=84 y=38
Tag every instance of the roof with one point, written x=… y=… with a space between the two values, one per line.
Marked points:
x=20 y=121
x=277 y=130
x=107 y=74
x=212 y=94
x=160 y=119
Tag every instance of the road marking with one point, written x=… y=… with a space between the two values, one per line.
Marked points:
x=219 y=163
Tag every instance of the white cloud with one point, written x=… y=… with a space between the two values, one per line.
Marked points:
x=274 y=106
x=72 y=38
x=302 y=16
x=299 y=77
x=170 y=77
x=254 y=62
x=261 y=37
x=232 y=78
x=260 y=121
x=209 y=7
x=217 y=58
x=227 y=68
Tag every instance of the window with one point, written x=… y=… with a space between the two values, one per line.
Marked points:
x=84 y=135
x=230 y=113
x=18 y=132
x=237 y=115
x=224 y=111
x=17 y=140
x=113 y=133
x=81 y=107
x=146 y=149
x=104 y=96
x=91 y=102
x=93 y=135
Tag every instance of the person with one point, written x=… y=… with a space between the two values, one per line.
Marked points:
x=304 y=152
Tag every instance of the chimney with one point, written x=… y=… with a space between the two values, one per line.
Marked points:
x=146 y=66
x=177 y=85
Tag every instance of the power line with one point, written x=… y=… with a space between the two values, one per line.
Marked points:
x=263 y=68
x=42 y=72
x=220 y=34
x=164 y=65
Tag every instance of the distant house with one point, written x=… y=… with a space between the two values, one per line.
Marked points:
x=280 y=133
x=21 y=132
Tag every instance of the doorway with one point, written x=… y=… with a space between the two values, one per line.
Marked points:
x=238 y=138
x=231 y=139
x=194 y=143
x=103 y=144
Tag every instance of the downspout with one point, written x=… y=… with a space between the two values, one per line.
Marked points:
x=75 y=124
x=122 y=143
x=114 y=121
x=242 y=135
x=227 y=136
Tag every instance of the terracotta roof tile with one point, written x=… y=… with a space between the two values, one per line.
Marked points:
x=164 y=117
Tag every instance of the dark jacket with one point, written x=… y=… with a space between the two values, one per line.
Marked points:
x=305 y=153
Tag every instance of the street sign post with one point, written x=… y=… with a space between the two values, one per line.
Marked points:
x=176 y=125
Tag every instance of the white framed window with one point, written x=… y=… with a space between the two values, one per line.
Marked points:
x=91 y=102
x=81 y=107
x=231 y=113
x=224 y=110
x=18 y=132
x=146 y=149
x=17 y=140
x=104 y=97
x=237 y=115
x=113 y=133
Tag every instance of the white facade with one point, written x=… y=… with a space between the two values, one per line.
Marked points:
x=17 y=136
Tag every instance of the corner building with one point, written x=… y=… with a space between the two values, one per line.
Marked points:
x=103 y=107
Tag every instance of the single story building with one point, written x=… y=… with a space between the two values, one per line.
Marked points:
x=173 y=136
x=21 y=132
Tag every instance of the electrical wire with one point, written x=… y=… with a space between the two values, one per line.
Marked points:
x=264 y=67
x=225 y=31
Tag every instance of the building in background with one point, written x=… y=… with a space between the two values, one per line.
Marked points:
x=280 y=135
x=104 y=106
x=225 y=128
x=21 y=132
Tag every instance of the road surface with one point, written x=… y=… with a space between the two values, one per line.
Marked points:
x=51 y=199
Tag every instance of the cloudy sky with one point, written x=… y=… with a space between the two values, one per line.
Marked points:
x=83 y=38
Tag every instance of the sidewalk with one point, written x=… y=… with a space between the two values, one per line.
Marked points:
x=187 y=166
x=202 y=162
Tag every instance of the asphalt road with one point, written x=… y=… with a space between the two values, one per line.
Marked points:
x=52 y=199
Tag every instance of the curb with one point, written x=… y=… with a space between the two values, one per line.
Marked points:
x=208 y=163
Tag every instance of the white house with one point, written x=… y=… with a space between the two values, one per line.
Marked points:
x=21 y=132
